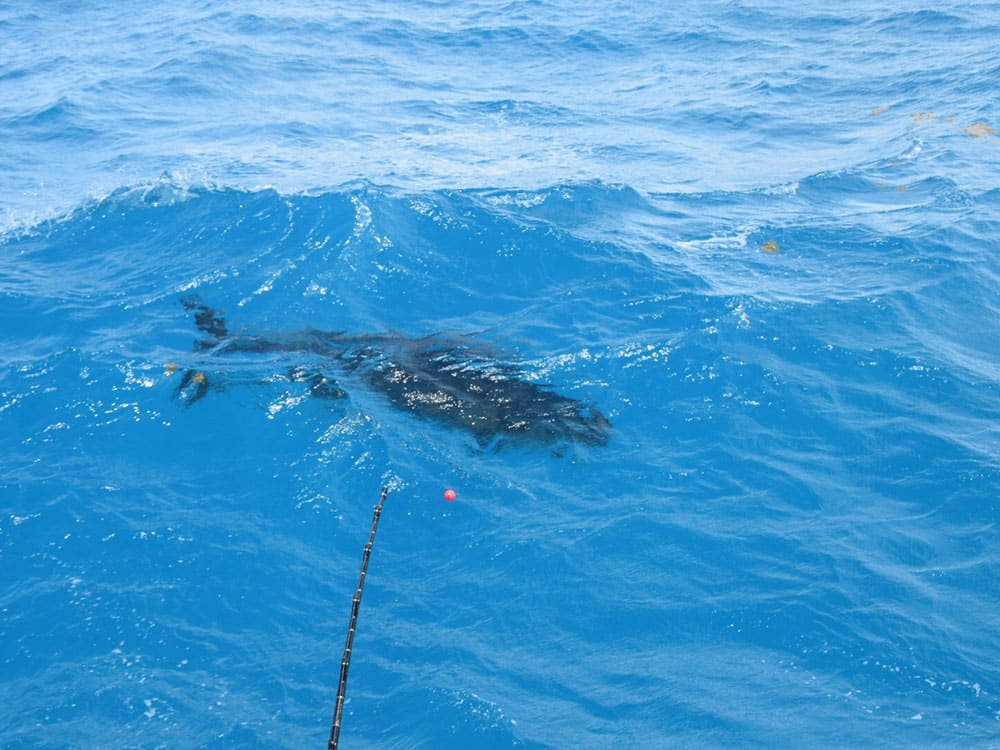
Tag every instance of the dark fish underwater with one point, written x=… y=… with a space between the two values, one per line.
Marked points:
x=437 y=379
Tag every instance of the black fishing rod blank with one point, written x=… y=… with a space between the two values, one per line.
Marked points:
x=345 y=663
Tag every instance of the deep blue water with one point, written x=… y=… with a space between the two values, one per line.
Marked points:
x=790 y=539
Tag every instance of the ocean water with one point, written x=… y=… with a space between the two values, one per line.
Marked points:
x=759 y=237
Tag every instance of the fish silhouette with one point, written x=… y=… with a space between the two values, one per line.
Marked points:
x=451 y=382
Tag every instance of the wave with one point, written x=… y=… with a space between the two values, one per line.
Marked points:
x=572 y=280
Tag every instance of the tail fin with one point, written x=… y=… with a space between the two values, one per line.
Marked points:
x=207 y=319
x=193 y=386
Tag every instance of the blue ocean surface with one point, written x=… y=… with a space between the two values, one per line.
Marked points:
x=759 y=238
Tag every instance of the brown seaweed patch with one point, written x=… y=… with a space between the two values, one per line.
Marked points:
x=878 y=111
x=979 y=130
x=770 y=247
x=922 y=116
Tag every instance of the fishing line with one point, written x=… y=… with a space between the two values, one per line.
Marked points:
x=345 y=663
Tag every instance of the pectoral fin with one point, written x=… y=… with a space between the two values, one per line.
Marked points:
x=320 y=385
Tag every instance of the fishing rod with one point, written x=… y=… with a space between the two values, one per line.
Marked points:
x=345 y=663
